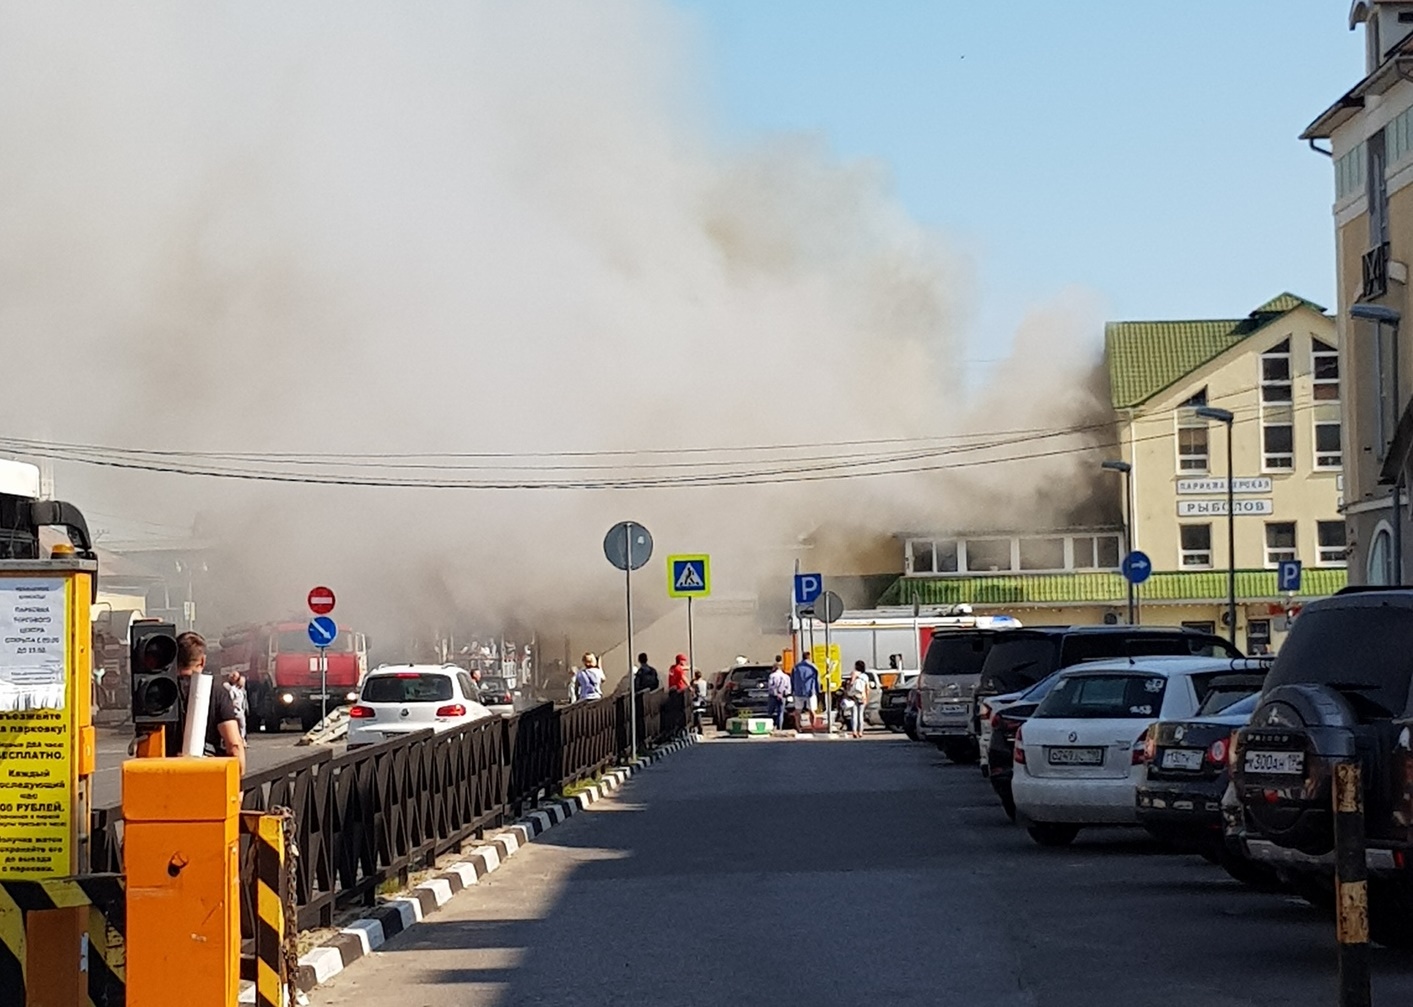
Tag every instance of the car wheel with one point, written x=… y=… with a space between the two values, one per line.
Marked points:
x=962 y=752
x=1253 y=875
x=1053 y=833
x=1391 y=913
x=1008 y=805
x=893 y=728
x=911 y=732
x=1313 y=889
x=308 y=721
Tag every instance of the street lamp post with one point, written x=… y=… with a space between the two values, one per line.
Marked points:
x=1127 y=470
x=1381 y=316
x=1225 y=416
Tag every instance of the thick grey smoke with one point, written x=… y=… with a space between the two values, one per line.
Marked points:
x=477 y=227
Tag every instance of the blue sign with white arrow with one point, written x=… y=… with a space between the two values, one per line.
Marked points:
x=1136 y=567
x=1288 y=575
x=323 y=631
x=808 y=587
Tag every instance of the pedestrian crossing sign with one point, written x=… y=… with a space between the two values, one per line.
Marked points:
x=688 y=576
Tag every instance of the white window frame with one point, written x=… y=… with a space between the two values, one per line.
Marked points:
x=1331 y=555
x=1277 y=555
x=1186 y=418
x=1325 y=462
x=1074 y=562
x=1195 y=559
x=1270 y=459
x=1316 y=382
x=1288 y=381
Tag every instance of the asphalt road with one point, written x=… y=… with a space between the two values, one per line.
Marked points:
x=264 y=752
x=817 y=872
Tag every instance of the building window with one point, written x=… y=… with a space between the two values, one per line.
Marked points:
x=1196 y=542
x=1331 y=539
x=1097 y=552
x=919 y=556
x=1192 y=445
x=1349 y=173
x=1277 y=446
x=1258 y=636
x=1200 y=627
x=1327 y=446
x=1042 y=554
x=1324 y=367
x=1275 y=373
x=1380 y=568
x=988 y=555
x=1280 y=542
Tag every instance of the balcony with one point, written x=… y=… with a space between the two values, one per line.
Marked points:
x=1375 y=270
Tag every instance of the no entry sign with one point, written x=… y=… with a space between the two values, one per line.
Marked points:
x=321 y=601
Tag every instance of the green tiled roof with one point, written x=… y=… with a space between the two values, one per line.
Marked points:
x=1146 y=357
x=1102 y=588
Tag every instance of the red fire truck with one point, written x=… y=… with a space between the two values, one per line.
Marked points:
x=281 y=667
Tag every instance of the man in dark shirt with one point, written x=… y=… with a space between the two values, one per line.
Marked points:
x=222 y=719
x=645 y=680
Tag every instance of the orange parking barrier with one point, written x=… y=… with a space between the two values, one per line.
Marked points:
x=181 y=847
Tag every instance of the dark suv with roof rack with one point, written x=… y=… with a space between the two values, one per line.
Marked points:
x=1339 y=690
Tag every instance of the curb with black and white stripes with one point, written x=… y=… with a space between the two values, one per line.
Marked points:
x=393 y=916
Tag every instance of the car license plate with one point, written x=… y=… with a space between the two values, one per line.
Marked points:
x=1076 y=756
x=953 y=708
x=1182 y=758
x=1283 y=763
x=319 y=695
x=756 y=694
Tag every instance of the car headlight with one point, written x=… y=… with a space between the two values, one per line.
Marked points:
x=351 y=696
x=287 y=698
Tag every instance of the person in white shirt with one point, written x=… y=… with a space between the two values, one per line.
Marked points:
x=235 y=685
x=778 y=687
x=588 y=680
x=856 y=692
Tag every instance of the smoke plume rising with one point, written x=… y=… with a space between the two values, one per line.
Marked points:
x=482 y=227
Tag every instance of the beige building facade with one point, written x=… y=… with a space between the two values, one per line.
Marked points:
x=1276 y=371
x=1369 y=132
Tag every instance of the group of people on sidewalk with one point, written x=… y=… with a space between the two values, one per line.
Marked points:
x=588 y=681
x=800 y=687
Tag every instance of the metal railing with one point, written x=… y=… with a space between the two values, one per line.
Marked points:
x=376 y=814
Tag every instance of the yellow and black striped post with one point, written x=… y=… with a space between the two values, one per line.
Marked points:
x=1351 y=887
x=104 y=958
x=272 y=928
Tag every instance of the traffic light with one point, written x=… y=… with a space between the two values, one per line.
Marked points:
x=155 y=689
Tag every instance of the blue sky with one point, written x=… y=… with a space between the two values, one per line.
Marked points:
x=1145 y=152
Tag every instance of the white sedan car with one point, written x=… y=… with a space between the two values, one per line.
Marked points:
x=1080 y=757
x=401 y=699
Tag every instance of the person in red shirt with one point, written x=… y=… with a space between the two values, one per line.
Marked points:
x=678 y=674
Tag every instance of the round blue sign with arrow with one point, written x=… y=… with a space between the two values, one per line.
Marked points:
x=1136 y=567
x=323 y=631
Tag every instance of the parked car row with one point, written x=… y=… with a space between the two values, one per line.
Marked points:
x=1232 y=758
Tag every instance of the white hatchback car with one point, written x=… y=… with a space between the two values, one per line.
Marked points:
x=401 y=699
x=1080 y=757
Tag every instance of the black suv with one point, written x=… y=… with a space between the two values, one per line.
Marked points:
x=1339 y=690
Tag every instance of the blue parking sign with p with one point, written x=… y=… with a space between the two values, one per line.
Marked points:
x=1288 y=575
x=688 y=576
x=808 y=587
